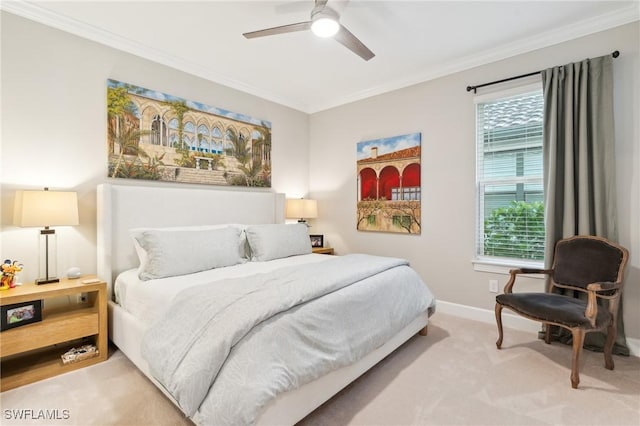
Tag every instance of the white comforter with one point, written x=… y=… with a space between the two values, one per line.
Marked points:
x=223 y=355
x=149 y=300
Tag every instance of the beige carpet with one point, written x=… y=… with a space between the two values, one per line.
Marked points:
x=454 y=376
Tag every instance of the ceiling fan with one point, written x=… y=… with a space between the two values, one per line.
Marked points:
x=325 y=22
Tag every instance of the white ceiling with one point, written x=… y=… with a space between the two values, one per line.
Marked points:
x=414 y=41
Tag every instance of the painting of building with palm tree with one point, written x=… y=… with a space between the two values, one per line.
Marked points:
x=156 y=136
x=389 y=191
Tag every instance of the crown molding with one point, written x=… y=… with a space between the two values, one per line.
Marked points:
x=579 y=29
x=583 y=28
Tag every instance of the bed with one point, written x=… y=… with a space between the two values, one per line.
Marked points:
x=157 y=315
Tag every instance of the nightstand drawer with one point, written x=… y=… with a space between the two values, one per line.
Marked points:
x=58 y=329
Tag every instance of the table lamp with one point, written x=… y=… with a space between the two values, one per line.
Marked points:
x=301 y=209
x=46 y=208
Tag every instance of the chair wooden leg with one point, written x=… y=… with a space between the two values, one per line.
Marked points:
x=578 y=341
x=612 y=333
x=499 y=322
x=547 y=333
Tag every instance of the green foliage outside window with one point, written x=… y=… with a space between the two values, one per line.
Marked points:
x=515 y=231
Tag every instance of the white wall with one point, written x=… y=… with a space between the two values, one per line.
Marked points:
x=54 y=129
x=443 y=112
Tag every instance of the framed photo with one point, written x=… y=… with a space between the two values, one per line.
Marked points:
x=19 y=314
x=317 y=240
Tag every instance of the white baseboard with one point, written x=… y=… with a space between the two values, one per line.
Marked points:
x=508 y=320
x=634 y=346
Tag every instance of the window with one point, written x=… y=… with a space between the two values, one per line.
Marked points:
x=510 y=194
x=158 y=131
x=410 y=193
x=401 y=221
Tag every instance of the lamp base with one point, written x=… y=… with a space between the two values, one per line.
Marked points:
x=47 y=280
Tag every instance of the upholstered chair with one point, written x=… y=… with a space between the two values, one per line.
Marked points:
x=589 y=265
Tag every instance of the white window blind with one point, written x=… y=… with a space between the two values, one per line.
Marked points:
x=510 y=208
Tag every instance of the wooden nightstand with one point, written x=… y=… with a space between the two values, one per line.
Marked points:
x=32 y=352
x=322 y=250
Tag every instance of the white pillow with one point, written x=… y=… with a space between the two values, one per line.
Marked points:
x=179 y=252
x=275 y=241
x=243 y=246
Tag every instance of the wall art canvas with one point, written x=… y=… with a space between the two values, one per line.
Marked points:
x=389 y=187
x=156 y=136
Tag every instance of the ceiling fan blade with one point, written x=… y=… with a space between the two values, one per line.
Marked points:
x=300 y=26
x=352 y=43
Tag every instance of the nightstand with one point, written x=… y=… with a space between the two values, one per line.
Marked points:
x=322 y=250
x=32 y=352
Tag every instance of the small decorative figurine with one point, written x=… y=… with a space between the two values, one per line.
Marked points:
x=9 y=271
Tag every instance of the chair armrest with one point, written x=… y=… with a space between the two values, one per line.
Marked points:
x=592 y=294
x=591 y=311
x=604 y=286
x=592 y=305
x=515 y=272
x=534 y=271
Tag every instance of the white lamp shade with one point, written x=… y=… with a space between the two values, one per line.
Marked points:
x=302 y=209
x=45 y=208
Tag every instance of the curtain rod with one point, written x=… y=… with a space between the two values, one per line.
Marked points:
x=615 y=54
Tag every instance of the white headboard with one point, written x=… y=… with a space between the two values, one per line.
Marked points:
x=122 y=207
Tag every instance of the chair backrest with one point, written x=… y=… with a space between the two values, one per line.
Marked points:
x=582 y=260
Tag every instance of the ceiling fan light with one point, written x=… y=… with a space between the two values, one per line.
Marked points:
x=325 y=27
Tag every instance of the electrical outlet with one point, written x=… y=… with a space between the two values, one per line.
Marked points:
x=493 y=286
x=81 y=298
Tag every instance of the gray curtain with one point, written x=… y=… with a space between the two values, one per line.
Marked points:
x=579 y=164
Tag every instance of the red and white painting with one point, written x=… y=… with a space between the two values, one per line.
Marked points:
x=389 y=184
